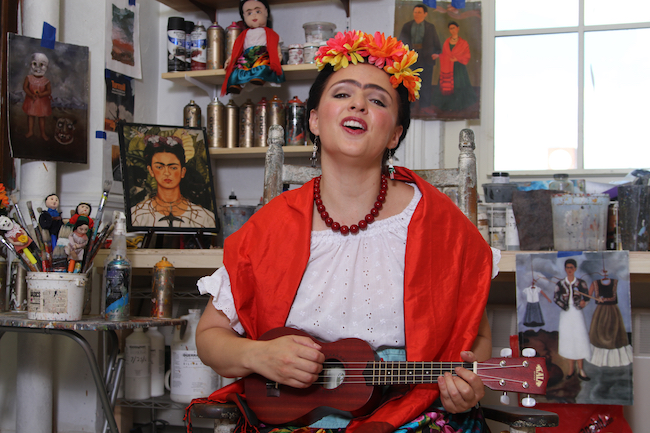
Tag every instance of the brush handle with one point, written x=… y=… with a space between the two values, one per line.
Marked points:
x=100 y=211
x=37 y=229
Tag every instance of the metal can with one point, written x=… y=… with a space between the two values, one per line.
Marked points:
x=199 y=48
x=162 y=289
x=216 y=121
x=276 y=112
x=295 y=54
x=232 y=32
x=261 y=122
x=117 y=286
x=189 y=26
x=192 y=115
x=232 y=124
x=215 y=47
x=175 y=44
x=246 y=124
x=295 y=130
x=309 y=53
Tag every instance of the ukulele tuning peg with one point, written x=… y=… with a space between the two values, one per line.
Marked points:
x=528 y=401
x=505 y=399
x=528 y=352
x=506 y=352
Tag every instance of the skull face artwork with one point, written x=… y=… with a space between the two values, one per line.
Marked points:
x=39 y=64
x=64 y=130
x=6 y=224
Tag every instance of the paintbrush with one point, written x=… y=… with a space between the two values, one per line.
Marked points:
x=96 y=247
x=26 y=264
x=102 y=202
x=37 y=228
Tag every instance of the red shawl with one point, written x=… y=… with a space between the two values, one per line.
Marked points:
x=446 y=283
x=462 y=55
x=272 y=40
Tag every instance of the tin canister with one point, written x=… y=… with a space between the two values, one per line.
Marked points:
x=232 y=124
x=246 y=124
x=199 y=48
x=295 y=131
x=261 y=122
x=232 y=32
x=117 y=286
x=276 y=112
x=175 y=44
x=295 y=54
x=215 y=46
x=162 y=289
x=192 y=115
x=309 y=53
x=216 y=117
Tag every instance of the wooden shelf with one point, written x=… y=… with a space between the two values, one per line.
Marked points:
x=256 y=152
x=305 y=71
x=211 y=6
x=186 y=262
x=639 y=261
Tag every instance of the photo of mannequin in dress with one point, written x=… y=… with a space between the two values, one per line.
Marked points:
x=38 y=95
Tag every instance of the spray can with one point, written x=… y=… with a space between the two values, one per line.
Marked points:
x=192 y=115
x=215 y=46
x=276 y=112
x=189 y=27
x=118 y=289
x=216 y=122
x=232 y=32
x=261 y=123
x=162 y=289
x=246 y=124
x=175 y=44
x=232 y=124
x=295 y=130
x=199 y=48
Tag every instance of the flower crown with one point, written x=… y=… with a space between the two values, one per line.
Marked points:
x=386 y=53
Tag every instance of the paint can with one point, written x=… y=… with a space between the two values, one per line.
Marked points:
x=189 y=26
x=175 y=44
x=55 y=296
x=18 y=297
x=216 y=122
x=215 y=46
x=261 y=122
x=162 y=289
x=246 y=124
x=232 y=32
x=232 y=124
x=199 y=48
x=276 y=112
x=192 y=115
x=117 y=287
x=295 y=130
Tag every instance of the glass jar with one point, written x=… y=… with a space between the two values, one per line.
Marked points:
x=561 y=183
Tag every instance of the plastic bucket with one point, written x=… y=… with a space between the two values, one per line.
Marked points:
x=55 y=296
x=579 y=221
x=234 y=217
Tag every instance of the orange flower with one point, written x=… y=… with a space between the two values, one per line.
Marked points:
x=4 y=200
x=384 y=50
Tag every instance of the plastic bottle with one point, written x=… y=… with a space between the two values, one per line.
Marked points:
x=232 y=199
x=137 y=374
x=199 y=59
x=190 y=378
x=157 y=359
x=116 y=287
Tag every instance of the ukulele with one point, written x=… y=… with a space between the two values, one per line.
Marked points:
x=352 y=377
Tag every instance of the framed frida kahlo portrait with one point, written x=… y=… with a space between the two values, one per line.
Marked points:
x=167 y=179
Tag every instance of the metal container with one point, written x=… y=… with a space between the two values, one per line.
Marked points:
x=192 y=115
x=232 y=124
x=216 y=48
x=295 y=54
x=199 y=48
x=216 y=116
x=232 y=32
x=295 y=121
x=175 y=44
x=276 y=112
x=246 y=124
x=162 y=289
x=261 y=122
x=18 y=298
x=117 y=287
x=309 y=53
x=189 y=26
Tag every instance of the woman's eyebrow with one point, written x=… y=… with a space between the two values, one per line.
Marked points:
x=365 y=86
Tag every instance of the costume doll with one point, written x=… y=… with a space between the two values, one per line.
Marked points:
x=256 y=54
x=78 y=239
x=83 y=209
x=50 y=219
x=38 y=93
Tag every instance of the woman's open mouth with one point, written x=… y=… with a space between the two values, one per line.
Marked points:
x=354 y=125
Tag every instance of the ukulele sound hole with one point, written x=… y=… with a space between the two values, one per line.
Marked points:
x=333 y=374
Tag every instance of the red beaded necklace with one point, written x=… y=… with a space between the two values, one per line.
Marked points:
x=354 y=228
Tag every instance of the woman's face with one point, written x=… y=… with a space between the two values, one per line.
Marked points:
x=453 y=31
x=357 y=116
x=166 y=169
x=255 y=14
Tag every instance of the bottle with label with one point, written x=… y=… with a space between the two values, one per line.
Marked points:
x=157 y=362
x=199 y=48
x=116 y=285
x=232 y=199
x=137 y=373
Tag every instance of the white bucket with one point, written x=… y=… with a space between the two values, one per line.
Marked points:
x=55 y=296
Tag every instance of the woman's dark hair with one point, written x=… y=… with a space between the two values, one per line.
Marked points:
x=571 y=262
x=317 y=89
x=81 y=221
x=90 y=208
x=269 y=24
x=454 y=23
x=156 y=144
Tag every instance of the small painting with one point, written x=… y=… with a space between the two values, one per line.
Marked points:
x=574 y=309
x=48 y=100
x=167 y=179
x=123 y=45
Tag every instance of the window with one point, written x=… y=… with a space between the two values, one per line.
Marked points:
x=571 y=85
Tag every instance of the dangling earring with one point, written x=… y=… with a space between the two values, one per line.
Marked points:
x=391 y=169
x=314 y=154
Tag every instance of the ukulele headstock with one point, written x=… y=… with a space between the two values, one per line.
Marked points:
x=527 y=375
